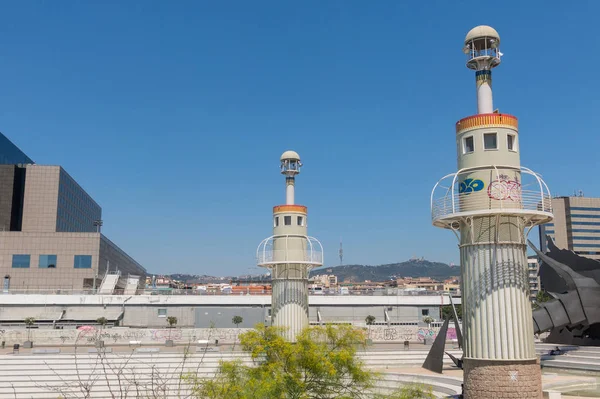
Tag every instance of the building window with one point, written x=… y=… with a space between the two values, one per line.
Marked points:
x=511 y=142
x=276 y=221
x=47 y=261
x=300 y=221
x=287 y=220
x=490 y=141
x=83 y=262
x=424 y=312
x=162 y=312
x=21 y=261
x=468 y=145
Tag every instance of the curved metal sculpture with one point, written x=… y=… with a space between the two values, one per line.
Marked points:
x=573 y=316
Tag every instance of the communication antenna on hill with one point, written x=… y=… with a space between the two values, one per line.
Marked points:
x=341 y=253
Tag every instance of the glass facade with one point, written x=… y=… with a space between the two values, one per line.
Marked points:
x=83 y=262
x=47 y=261
x=77 y=211
x=21 y=261
x=10 y=154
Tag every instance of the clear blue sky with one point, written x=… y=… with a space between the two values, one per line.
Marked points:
x=172 y=115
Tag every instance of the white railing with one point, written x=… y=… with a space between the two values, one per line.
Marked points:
x=457 y=194
x=291 y=249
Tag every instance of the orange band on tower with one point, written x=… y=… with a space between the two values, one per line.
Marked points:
x=289 y=208
x=487 y=120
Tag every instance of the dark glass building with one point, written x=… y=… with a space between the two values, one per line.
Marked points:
x=10 y=154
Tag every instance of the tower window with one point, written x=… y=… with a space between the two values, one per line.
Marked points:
x=287 y=220
x=300 y=221
x=510 y=140
x=468 y=145
x=490 y=141
x=276 y=223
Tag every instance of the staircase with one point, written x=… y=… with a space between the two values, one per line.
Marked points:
x=132 y=285
x=109 y=282
x=153 y=373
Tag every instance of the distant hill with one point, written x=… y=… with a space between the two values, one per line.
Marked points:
x=356 y=273
x=410 y=268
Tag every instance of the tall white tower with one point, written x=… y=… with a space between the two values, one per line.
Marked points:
x=491 y=203
x=290 y=254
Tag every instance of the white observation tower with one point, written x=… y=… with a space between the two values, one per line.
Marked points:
x=290 y=254
x=491 y=203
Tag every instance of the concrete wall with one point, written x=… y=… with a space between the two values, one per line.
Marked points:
x=41 y=198
x=64 y=245
x=221 y=317
x=148 y=316
x=182 y=336
x=118 y=336
x=349 y=314
x=194 y=316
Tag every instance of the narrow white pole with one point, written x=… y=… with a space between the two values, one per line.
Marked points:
x=289 y=192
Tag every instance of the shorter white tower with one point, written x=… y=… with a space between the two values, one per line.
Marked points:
x=290 y=254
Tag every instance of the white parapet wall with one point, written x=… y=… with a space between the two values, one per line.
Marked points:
x=183 y=336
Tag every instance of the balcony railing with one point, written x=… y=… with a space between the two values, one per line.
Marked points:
x=456 y=195
x=290 y=249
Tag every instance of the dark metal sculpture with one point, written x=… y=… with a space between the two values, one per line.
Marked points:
x=435 y=358
x=573 y=316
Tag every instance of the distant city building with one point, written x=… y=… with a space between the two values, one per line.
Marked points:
x=533 y=269
x=576 y=225
x=424 y=283
x=324 y=280
x=452 y=286
x=50 y=231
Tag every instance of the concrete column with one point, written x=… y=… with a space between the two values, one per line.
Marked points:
x=485 y=102
x=290 y=185
x=499 y=352
x=290 y=305
x=289 y=276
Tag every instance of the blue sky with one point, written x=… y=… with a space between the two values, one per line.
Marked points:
x=172 y=115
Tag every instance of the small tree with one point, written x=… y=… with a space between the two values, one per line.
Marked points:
x=448 y=313
x=370 y=320
x=428 y=320
x=322 y=363
x=541 y=297
x=29 y=322
x=237 y=320
x=102 y=321
x=172 y=320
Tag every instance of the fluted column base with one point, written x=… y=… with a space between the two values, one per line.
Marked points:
x=290 y=306
x=500 y=379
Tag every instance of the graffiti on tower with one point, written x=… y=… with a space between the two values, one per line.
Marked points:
x=469 y=186
x=504 y=188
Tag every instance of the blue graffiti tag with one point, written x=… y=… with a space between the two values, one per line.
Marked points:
x=469 y=186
